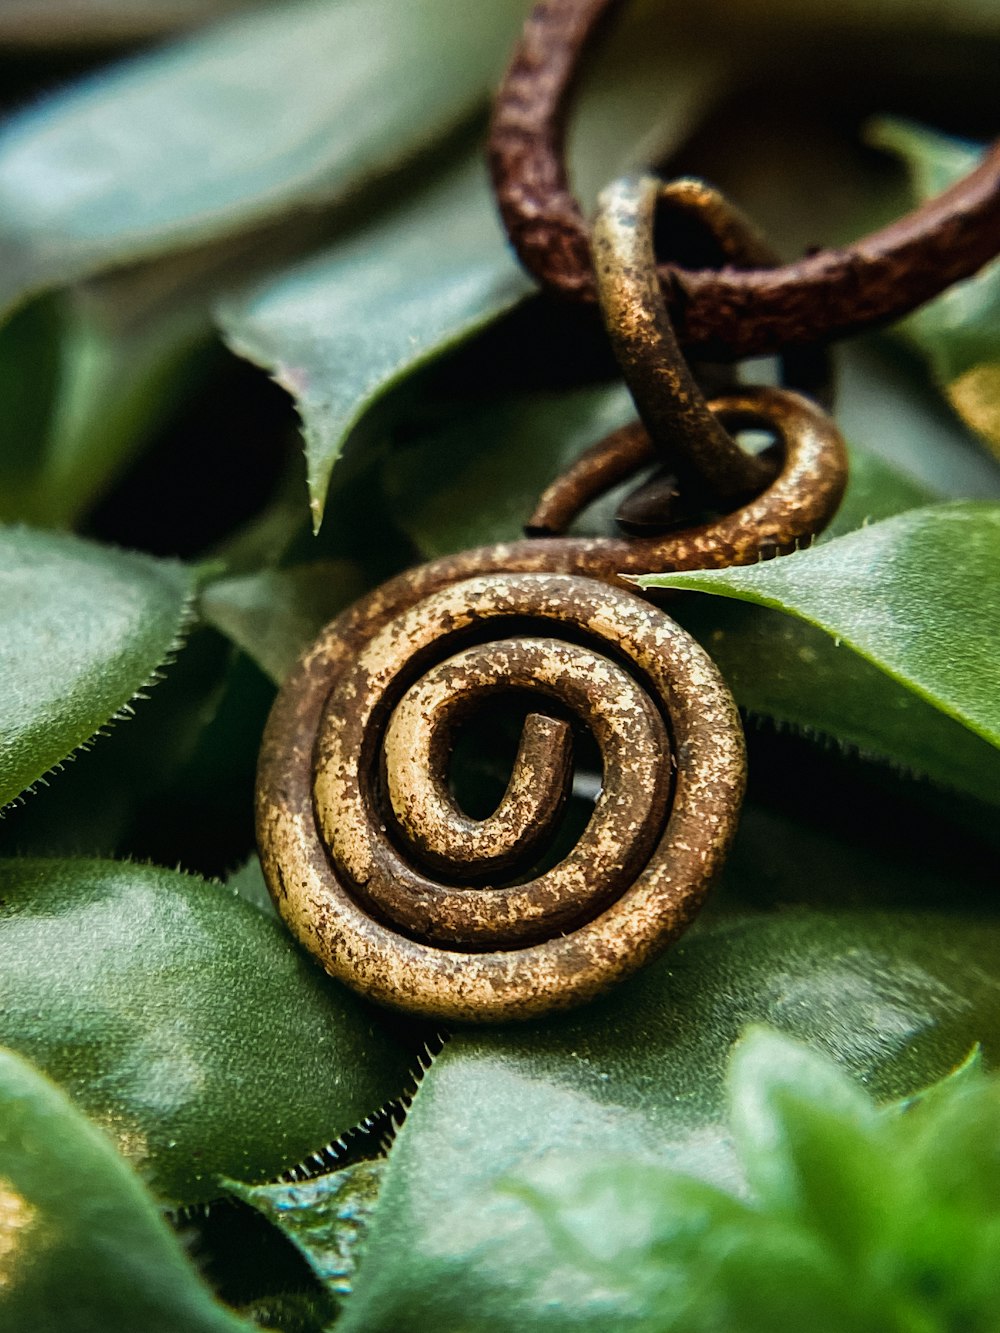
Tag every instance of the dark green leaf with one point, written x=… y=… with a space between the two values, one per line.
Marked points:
x=82 y=1245
x=29 y=382
x=325 y=1218
x=916 y=595
x=795 y=675
x=81 y=187
x=274 y=615
x=86 y=628
x=342 y=330
x=184 y=1022
x=339 y=331
x=897 y=999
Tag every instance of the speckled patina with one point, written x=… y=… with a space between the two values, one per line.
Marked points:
x=347 y=875
x=369 y=857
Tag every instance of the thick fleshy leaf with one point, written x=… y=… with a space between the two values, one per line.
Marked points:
x=82 y=1245
x=896 y=999
x=856 y=1220
x=916 y=595
x=794 y=675
x=127 y=347
x=83 y=186
x=959 y=332
x=326 y=1218
x=86 y=627
x=274 y=615
x=673 y=1253
x=29 y=382
x=342 y=330
x=184 y=1021
x=812 y=1146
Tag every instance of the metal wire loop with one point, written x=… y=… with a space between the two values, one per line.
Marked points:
x=720 y=313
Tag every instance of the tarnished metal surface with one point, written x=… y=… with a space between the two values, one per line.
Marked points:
x=724 y=313
x=670 y=403
x=338 y=795
x=368 y=854
x=368 y=857
x=787 y=514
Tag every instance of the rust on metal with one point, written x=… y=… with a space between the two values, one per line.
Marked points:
x=370 y=858
x=338 y=796
x=374 y=866
x=726 y=312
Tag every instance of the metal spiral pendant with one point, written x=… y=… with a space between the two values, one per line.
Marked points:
x=400 y=894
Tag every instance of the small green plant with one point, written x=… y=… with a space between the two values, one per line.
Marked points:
x=262 y=346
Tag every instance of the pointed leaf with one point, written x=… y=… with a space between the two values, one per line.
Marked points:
x=896 y=999
x=184 y=1021
x=82 y=1245
x=83 y=187
x=917 y=595
x=325 y=1218
x=86 y=627
x=343 y=329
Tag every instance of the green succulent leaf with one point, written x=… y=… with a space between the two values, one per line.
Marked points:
x=853 y=1221
x=81 y=189
x=346 y=327
x=343 y=328
x=86 y=627
x=916 y=595
x=959 y=332
x=810 y=1142
x=275 y=614
x=82 y=1245
x=29 y=383
x=184 y=1022
x=896 y=999
x=326 y=1218
x=788 y=673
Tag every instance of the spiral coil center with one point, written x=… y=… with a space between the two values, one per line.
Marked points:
x=404 y=895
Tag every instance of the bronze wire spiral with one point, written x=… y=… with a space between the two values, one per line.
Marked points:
x=369 y=857
x=382 y=876
x=371 y=861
